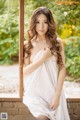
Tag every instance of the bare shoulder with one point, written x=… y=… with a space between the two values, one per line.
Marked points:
x=25 y=44
x=60 y=42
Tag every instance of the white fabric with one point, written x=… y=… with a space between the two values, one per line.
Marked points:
x=39 y=90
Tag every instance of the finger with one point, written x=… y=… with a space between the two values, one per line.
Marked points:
x=55 y=106
x=51 y=106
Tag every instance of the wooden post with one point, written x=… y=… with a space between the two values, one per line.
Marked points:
x=21 y=41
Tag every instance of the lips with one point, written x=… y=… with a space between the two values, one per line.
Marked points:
x=41 y=30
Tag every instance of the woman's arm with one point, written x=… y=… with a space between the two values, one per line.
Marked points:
x=62 y=72
x=61 y=76
x=30 y=67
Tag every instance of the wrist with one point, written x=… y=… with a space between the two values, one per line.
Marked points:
x=58 y=95
x=41 y=60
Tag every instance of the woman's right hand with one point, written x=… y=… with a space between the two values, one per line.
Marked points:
x=46 y=54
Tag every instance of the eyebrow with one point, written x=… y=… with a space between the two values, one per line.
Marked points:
x=43 y=20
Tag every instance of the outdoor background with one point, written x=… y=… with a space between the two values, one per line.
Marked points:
x=67 y=18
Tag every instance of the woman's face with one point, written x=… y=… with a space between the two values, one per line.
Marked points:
x=41 y=25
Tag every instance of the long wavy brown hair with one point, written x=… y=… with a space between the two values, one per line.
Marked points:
x=50 y=34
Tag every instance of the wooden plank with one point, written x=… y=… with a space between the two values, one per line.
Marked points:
x=11 y=99
x=20 y=99
x=73 y=99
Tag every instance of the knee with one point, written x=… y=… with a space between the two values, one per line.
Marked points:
x=42 y=118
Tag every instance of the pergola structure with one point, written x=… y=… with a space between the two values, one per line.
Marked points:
x=21 y=42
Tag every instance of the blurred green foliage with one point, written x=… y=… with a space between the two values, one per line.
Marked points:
x=9 y=33
x=72 y=54
x=67 y=18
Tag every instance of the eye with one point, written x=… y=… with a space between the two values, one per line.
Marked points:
x=46 y=22
x=37 y=22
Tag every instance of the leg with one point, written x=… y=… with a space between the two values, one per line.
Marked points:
x=42 y=117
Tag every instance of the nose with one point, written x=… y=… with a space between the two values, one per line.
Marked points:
x=41 y=26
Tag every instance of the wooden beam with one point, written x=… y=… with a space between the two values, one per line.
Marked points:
x=21 y=41
x=73 y=99
x=10 y=99
x=66 y=2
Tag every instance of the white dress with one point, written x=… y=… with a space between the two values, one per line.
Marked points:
x=39 y=90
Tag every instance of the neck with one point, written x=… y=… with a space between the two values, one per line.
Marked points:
x=41 y=37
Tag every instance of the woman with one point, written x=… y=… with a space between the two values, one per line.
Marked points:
x=44 y=69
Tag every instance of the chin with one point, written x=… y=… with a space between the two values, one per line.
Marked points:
x=41 y=34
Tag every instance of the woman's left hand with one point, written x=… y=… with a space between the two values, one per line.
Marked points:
x=55 y=103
